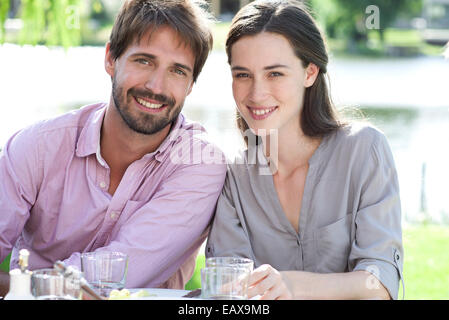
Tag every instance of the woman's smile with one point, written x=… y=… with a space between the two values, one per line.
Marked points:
x=260 y=113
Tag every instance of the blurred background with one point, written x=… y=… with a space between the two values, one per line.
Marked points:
x=389 y=59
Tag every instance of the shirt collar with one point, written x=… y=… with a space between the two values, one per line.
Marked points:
x=89 y=140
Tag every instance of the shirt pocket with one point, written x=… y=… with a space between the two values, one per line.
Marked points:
x=333 y=245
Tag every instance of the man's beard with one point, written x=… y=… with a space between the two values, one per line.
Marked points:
x=144 y=123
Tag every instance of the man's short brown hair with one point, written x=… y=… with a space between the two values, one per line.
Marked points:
x=187 y=17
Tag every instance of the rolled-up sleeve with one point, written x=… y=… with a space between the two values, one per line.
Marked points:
x=377 y=246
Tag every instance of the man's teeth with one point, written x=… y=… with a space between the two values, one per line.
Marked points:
x=261 y=112
x=149 y=105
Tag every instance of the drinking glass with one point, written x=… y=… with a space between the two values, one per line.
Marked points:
x=50 y=284
x=230 y=262
x=224 y=283
x=105 y=271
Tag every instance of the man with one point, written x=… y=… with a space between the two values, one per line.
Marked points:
x=118 y=176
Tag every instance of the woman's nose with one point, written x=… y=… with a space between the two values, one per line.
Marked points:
x=258 y=91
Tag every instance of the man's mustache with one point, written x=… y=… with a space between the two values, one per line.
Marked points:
x=148 y=94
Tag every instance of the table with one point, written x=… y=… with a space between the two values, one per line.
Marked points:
x=162 y=294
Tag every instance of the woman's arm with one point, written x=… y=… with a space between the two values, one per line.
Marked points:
x=356 y=285
x=228 y=234
x=271 y=284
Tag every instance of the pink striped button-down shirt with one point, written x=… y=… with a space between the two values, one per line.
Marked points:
x=54 y=200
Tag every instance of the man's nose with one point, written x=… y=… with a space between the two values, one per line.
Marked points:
x=156 y=82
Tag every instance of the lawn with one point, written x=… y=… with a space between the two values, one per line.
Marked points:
x=426 y=264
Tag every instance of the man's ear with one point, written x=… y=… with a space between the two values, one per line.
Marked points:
x=312 y=72
x=109 y=61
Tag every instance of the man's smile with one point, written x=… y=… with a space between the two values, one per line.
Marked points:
x=150 y=105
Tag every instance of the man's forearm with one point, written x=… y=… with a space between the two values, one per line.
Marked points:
x=4 y=283
x=349 y=285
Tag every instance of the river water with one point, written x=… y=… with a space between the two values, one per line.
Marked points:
x=406 y=98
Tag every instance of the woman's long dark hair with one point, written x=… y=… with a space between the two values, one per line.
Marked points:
x=292 y=20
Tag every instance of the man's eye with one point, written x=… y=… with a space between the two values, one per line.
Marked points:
x=180 y=72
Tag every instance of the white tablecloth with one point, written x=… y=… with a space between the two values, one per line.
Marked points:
x=162 y=294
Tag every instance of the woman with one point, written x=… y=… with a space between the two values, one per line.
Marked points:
x=313 y=201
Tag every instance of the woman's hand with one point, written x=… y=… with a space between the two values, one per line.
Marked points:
x=267 y=282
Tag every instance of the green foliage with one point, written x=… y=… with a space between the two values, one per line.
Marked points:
x=64 y=29
x=195 y=281
x=50 y=22
x=99 y=13
x=33 y=17
x=4 y=266
x=347 y=18
x=327 y=13
x=4 y=9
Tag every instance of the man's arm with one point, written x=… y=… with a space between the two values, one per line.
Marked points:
x=19 y=183
x=161 y=234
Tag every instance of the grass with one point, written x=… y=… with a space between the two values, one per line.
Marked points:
x=426 y=264
x=4 y=266
x=408 y=38
x=195 y=281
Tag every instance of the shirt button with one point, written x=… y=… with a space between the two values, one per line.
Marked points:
x=102 y=185
x=114 y=215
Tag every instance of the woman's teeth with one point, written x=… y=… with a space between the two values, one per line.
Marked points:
x=149 y=105
x=261 y=112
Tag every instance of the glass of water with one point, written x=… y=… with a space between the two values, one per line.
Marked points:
x=105 y=271
x=50 y=284
x=224 y=283
x=230 y=262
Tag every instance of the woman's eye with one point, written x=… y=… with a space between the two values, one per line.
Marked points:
x=241 y=75
x=275 y=74
x=143 y=61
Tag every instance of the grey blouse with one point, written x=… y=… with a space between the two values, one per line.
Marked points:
x=350 y=216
